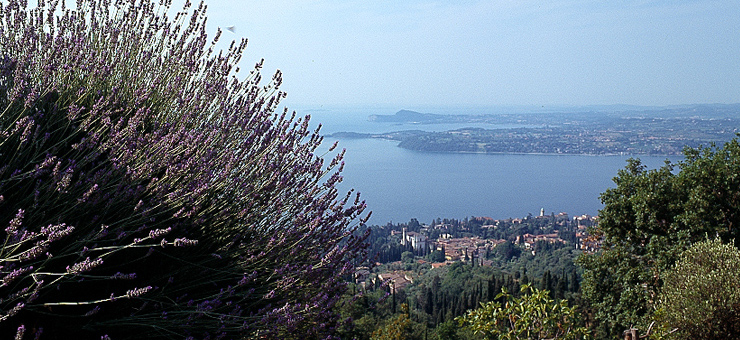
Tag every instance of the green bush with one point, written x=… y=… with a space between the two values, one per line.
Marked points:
x=701 y=293
x=532 y=316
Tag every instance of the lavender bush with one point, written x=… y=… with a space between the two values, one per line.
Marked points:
x=148 y=190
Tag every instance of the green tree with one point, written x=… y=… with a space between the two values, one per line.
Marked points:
x=507 y=250
x=546 y=281
x=397 y=328
x=701 y=294
x=407 y=257
x=534 y=315
x=651 y=217
x=437 y=256
x=447 y=330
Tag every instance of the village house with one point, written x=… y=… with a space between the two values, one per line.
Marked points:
x=467 y=248
x=396 y=280
x=416 y=240
x=584 y=221
x=361 y=275
x=529 y=240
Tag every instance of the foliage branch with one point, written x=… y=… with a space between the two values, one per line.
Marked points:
x=700 y=298
x=534 y=315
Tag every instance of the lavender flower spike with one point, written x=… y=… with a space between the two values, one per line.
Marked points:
x=154 y=234
x=137 y=292
x=184 y=242
x=84 y=266
x=20 y=332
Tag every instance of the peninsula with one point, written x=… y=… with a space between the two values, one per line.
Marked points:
x=652 y=131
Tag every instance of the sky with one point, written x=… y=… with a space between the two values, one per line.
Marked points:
x=414 y=53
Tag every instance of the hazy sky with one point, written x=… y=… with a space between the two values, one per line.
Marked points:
x=410 y=53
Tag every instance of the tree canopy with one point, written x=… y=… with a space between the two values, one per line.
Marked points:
x=648 y=220
x=700 y=298
x=534 y=315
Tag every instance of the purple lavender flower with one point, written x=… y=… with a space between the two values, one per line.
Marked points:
x=122 y=276
x=15 y=223
x=13 y=311
x=84 y=266
x=88 y=193
x=124 y=118
x=184 y=242
x=93 y=311
x=137 y=292
x=157 y=233
x=20 y=332
x=56 y=232
x=38 y=333
x=34 y=252
x=10 y=277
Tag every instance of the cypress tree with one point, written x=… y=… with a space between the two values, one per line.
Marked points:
x=546 y=281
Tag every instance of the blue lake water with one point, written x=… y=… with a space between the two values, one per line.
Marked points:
x=400 y=184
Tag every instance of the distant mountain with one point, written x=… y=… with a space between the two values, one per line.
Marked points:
x=579 y=114
x=408 y=116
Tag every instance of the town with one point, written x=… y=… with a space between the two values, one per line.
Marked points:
x=476 y=241
x=664 y=131
x=439 y=270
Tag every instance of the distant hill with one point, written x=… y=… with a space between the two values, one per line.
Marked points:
x=408 y=116
x=633 y=131
x=576 y=113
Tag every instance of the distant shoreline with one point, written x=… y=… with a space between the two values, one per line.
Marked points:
x=546 y=154
x=381 y=137
x=660 y=132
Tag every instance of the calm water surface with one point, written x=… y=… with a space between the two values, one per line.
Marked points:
x=400 y=184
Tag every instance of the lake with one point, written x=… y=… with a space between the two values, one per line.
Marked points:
x=400 y=184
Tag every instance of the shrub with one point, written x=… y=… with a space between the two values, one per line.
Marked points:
x=534 y=315
x=396 y=328
x=149 y=192
x=701 y=294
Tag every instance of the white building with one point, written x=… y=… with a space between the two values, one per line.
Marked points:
x=416 y=240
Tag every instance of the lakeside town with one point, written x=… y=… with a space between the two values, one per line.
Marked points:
x=151 y=190
x=472 y=241
x=646 y=131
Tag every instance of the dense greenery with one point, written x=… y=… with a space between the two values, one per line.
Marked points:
x=651 y=220
x=701 y=294
x=534 y=315
x=146 y=191
x=648 y=220
x=437 y=296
